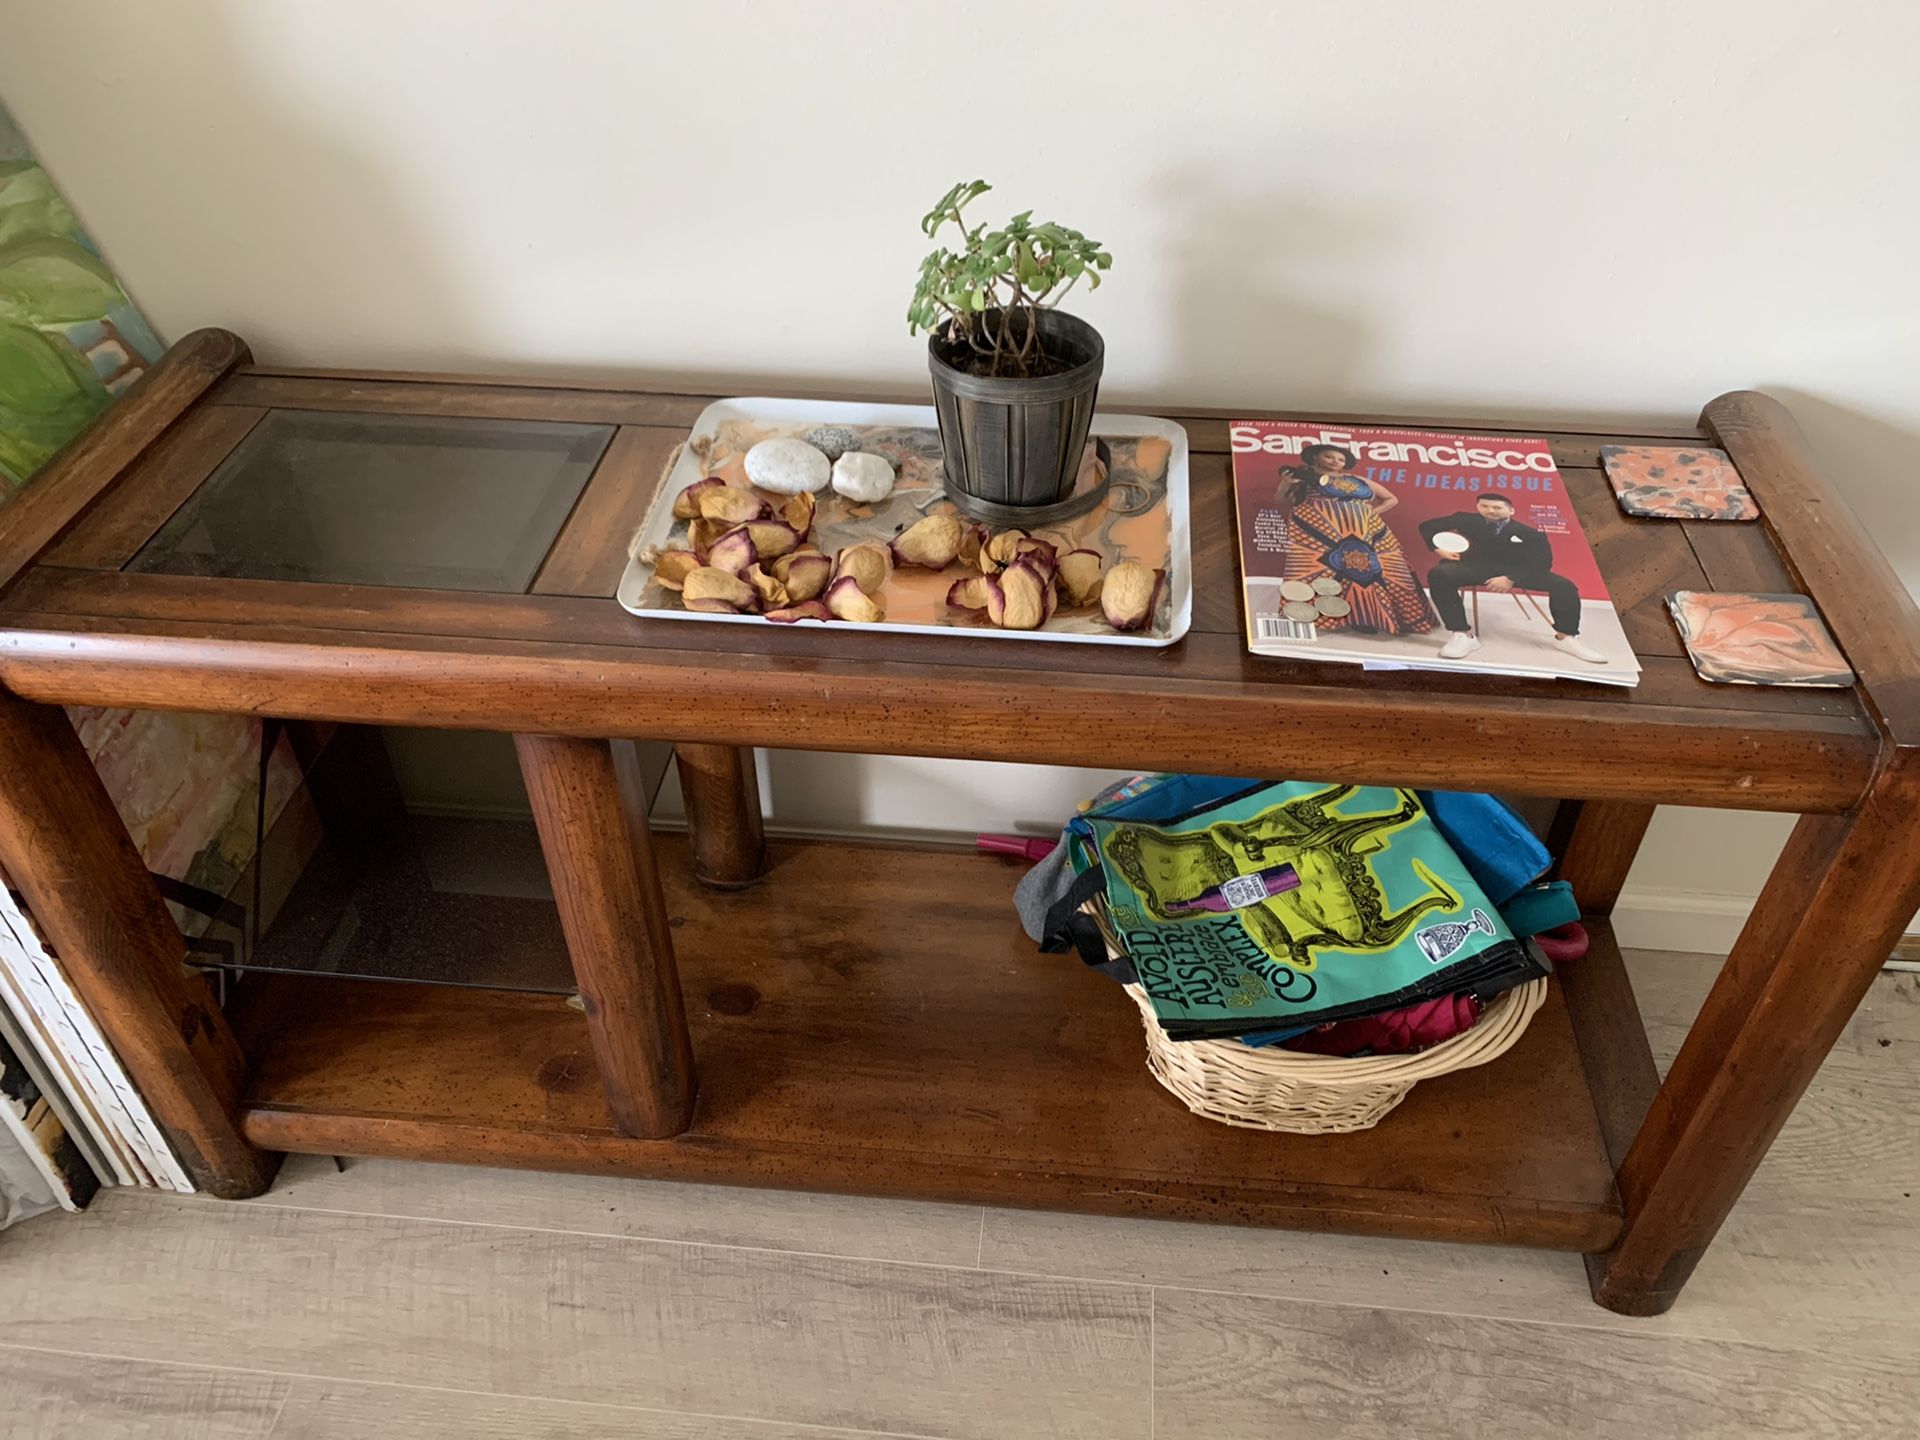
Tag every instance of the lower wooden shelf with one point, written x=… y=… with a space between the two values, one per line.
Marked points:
x=871 y=1020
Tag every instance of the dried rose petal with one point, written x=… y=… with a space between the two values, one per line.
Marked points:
x=1129 y=594
x=733 y=552
x=996 y=597
x=772 y=538
x=1041 y=552
x=1051 y=593
x=686 y=505
x=673 y=566
x=730 y=505
x=702 y=533
x=932 y=543
x=869 y=563
x=1017 y=600
x=798 y=512
x=716 y=591
x=1000 y=551
x=1041 y=562
x=771 y=592
x=805 y=573
x=805 y=610
x=969 y=594
x=847 y=601
x=971 y=544
x=1079 y=576
x=1013 y=607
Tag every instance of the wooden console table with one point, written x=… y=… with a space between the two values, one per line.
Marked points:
x=866 y=1018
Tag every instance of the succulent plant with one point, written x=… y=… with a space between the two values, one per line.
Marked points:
x=990 y=292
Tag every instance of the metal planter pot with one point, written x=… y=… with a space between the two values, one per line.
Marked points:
x=1013 y=447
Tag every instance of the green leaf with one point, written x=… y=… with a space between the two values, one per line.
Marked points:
x=1027 y=268
x=950 y=204
x=48 y=393
x=49 y=280
x=29 y=205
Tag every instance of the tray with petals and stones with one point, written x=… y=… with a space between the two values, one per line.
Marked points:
x=1140 y=523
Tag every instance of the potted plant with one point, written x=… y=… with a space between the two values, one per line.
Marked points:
x=1014 y=378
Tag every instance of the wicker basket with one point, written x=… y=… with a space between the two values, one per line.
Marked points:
x=1272 y=1088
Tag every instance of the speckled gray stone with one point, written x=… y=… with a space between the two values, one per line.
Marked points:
x=833 y=441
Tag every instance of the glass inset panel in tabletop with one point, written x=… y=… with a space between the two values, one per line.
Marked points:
x=403 y=500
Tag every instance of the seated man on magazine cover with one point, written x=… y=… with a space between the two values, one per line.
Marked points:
x=1501 y=554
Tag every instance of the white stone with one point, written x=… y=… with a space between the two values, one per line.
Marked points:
x=788 y=467
x=862 y=477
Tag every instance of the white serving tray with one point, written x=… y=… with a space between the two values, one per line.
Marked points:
x=659 y=523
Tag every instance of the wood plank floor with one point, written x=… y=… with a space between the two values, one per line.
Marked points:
x=414 y=1301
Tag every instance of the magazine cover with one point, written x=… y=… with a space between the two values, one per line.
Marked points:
x=1411 y=548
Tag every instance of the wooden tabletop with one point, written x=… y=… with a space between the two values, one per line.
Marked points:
x=562 y=657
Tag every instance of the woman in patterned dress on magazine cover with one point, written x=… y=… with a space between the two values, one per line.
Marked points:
x=1336 y=525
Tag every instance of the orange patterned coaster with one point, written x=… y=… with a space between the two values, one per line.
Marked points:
x=1758 y=639
x=1692 y=482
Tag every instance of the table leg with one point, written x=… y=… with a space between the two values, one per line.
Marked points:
x=722 y=795
x=1593 y=843
x=600 y=857
x=62 y=843
x=1838 y=899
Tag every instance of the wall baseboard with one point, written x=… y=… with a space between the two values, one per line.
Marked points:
x=1688 y=920
x=1699 y=922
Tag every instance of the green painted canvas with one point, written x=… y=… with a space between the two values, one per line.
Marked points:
x=70 y=339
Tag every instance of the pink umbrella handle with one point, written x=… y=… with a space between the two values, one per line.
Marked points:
x=1027 y=849
x=1563 y=942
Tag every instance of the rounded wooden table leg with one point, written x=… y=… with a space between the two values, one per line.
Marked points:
x=64 y=847
x=1837 y=900
x=722 y=795
x=600 y=858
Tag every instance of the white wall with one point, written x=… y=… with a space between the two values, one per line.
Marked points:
x=1548 y=210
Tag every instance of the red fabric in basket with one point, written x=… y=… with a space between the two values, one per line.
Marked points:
x=1396 y=1032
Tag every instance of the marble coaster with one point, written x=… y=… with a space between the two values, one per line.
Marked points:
x=1736 y=639
x=1677 y=482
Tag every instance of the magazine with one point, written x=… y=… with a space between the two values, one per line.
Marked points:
x=1404 y=549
